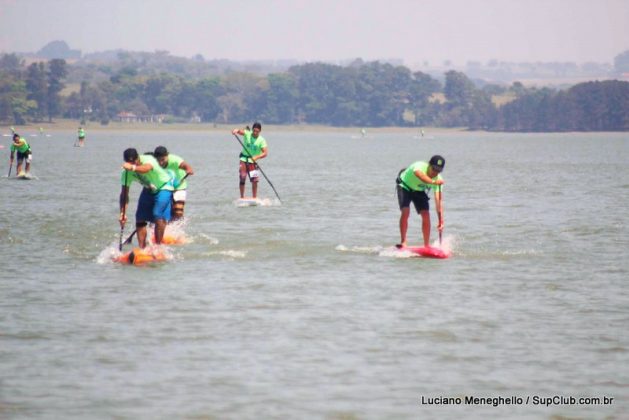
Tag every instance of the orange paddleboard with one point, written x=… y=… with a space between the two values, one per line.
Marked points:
x=172 y=239
x=139 y=256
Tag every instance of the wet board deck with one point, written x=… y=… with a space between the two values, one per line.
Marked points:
x=24 y=176
x=426 y=251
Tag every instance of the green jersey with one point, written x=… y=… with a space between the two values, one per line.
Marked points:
x=21 y=147
x=81 y=133
x=412 y=183
x=174 y=162
x=156 y=179
x=253 y=147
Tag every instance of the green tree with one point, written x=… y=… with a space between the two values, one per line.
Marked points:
x=56 y=73
x=37 y=89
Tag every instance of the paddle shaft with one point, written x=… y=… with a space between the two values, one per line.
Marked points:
x=258 y=166
x=182 y=179
x=128 y=240
x=10 y=167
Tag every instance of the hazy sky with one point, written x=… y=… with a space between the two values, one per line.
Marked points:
x=308 y=30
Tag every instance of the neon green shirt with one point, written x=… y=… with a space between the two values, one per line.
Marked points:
x=21 y=147
x=81 y=133
x=253 y=147
x=173 y=165
x=409 y=178
x=156 y=179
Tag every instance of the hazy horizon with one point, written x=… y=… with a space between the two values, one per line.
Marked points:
x=413 y=31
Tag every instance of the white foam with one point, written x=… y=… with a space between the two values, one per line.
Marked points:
x=359 y=249
x=231 y=253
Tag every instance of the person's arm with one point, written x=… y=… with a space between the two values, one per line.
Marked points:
x=261 y=155
x=124 y=200
x=141 y=169
x=238 y=131
x=186 y=167
x=439 y=208
x=426 y=179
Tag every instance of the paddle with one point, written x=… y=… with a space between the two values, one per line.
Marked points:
x=10 y=167
x=258 y=166
x=128 y=240
x=182 y=179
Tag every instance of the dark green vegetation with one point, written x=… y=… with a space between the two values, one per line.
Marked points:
x=157 y=87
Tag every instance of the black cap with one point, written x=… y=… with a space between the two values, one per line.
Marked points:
x=160 y=151
x=438 y=162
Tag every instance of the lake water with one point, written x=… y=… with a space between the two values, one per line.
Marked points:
x=300 y=310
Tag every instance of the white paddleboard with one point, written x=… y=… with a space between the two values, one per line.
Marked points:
x=247 y=202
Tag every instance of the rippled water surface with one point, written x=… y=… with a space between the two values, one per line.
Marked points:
x=300 y=310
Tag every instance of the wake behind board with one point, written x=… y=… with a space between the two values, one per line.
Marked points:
x=426 y=251
x=139 y=256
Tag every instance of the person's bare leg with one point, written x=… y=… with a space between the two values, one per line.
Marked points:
x=404 y=214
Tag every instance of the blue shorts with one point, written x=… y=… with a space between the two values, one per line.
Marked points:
x=152 y=207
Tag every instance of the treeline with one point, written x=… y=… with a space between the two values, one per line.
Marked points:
x=361 y=94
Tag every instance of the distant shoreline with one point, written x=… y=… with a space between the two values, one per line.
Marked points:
x=65 y=124
x=72 y=125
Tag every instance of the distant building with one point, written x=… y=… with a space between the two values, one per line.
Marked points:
x=130 y=117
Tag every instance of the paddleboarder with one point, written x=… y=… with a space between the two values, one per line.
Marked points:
x=81 y=136
x=181 y=170
x=255 y=148
x=23 y=154
x=413 y=185
x=155 y=200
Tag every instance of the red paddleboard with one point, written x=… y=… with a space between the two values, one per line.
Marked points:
x=426 y=251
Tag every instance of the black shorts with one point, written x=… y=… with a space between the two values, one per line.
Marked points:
x=419 y=199
x=21 y=156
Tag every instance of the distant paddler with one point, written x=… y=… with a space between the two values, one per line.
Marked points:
x=180 y=170
x=81 y=137
x=255 y=148
x=413 y=185
x=41 y=131
x=24 y=153
x=155 y=200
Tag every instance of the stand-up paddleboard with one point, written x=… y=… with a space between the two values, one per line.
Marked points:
x=139 y=256
x=426 y=251
x=24 y=176
x=172 y=239
x=248 y=202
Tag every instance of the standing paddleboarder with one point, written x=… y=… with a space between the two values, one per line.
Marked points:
x=413 y=184
x=81 y=137
x=155 y=200
x=23 y=154
x=180 y=170
x=255 y=148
